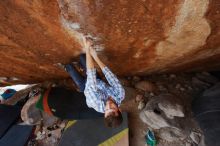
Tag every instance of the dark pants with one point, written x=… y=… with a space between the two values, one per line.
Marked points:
x=75 y=75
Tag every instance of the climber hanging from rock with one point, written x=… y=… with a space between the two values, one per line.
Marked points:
x=104 y=98
x=96 y=98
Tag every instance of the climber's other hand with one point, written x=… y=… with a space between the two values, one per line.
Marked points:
x=93 y=52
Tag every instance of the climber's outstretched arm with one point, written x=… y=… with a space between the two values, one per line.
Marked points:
x=89 y=60
x=111 y=77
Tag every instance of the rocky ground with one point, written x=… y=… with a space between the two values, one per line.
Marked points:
x=161 y=103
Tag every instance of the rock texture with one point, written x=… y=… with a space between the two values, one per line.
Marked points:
x=165 y=114
x=29 y=113
x=145 y=86
x=195 y=137
x=162 y=111
x=171 y=107
x=132 y=37
x=171 y=134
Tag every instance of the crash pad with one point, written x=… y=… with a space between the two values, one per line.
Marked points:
x=93 y=132
x=66 y=104
x=8 y=94
x=8 y=115
x=17 y=135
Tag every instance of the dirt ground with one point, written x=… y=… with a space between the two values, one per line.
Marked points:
x=182 y=86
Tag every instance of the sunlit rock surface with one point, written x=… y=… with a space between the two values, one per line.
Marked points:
x=132 y=37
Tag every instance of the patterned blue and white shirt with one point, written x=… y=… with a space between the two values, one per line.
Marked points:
x=97 y=92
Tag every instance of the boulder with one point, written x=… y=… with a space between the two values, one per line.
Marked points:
x=136 y=79
x=206 y=77
x=29 y=113
x=145 y=86
x=132 y=38
x=199 y=83
x=125 y=82
x=172 y=76
x=178 y=86
x=139 y=98
x=48 y=120
x=202 y=141
x=188 y=144
x=154 y=120
x=195 y=137
x=162 y=88
x=171 y=110
x=141 y=105
x=170 y=105
x=172 y=134
x=159 y=117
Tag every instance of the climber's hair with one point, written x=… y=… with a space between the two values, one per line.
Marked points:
x=113 y=120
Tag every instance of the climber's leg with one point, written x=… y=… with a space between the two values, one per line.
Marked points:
x=76 y=76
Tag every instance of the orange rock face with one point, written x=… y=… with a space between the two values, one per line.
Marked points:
x=132 y=37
